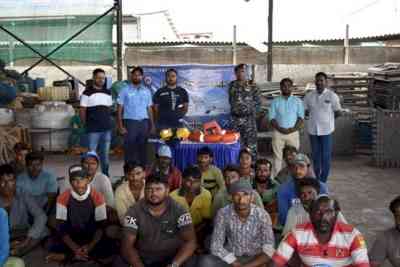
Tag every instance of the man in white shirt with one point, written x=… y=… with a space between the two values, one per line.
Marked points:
x=321 y=106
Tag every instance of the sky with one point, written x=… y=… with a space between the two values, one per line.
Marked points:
x=293 y=19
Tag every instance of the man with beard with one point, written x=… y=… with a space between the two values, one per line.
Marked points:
x=299 y=212
x=325 y=241
x=195 y=199
x=27 y=219
x=131 y=190
x=38 y=182
x=288 y=193
x=164 y=167
x=157 y=231
x=171 y=102
x=245 y=102
x=267 y=188
x=387 y=244
x=135 y=117
x=242 y=232
x=286 y=114
x=322 y=107
x=223 y=197
x=95 y=114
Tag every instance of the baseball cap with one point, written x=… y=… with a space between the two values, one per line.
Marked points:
x=301 y=159
x=90 y=154
x=77 y=172
x=240 y=186
x=164 y=151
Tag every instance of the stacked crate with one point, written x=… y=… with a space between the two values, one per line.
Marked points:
x=384 y=87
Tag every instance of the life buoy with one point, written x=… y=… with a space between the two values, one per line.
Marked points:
x=212 y=138
x=230 y=137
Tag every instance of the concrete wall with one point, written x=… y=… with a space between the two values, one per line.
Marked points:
x=245 y=54
x=304 y=73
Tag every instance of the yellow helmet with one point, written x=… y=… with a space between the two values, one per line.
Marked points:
x=166 y=134
x=182 y=133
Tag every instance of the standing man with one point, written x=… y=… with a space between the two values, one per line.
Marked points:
x=157 y=231
x=95 y=114
x=134 y=117
x=242 y=233
x=171 y=103
x=244 y=98
x=321 y=106
x=286 y=115
x=325 y=241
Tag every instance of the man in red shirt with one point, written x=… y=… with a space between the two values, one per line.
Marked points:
x=164 y=167
x=325 y=241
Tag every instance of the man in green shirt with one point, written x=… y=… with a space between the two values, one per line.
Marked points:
x=223 y=197
x=211 y=176
x=267 y=188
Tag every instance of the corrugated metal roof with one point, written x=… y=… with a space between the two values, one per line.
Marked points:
x=181 y=43
x=383 y=37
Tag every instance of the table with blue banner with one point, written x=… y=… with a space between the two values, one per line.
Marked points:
x=185 y=153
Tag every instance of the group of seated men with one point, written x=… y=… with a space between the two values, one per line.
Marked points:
x=158 y=216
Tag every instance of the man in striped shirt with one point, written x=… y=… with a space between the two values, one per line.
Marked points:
x=325 y=241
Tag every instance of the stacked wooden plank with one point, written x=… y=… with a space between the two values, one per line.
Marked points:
x=384 y=88
x=351 y=87
x=386 y=141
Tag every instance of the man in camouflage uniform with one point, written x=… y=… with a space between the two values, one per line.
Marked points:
x=244 y=98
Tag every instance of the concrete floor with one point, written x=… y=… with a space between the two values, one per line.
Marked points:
x=363 y=191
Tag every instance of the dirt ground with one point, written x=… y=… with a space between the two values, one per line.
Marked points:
x=363 y=191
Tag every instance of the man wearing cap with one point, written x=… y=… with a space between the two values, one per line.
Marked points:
x=288 y=192
x=81 y=217
x=158 y=231
x=223 y=198
x=242 y=232
x=164 y=167
x=324 y=241
x=195 y=199
x=98 y=181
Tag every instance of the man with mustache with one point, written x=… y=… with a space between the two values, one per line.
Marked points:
x=157 y=231
x=325 y=241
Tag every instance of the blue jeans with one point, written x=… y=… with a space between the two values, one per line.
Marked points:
x=135 y=140
x=101 y=141
x=321 y=146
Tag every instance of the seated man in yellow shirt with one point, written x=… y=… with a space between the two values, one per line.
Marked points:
x=211 y=176
x=195 y=199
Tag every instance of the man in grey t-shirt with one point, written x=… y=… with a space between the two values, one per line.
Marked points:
x=387 y=244
x=157 y=230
